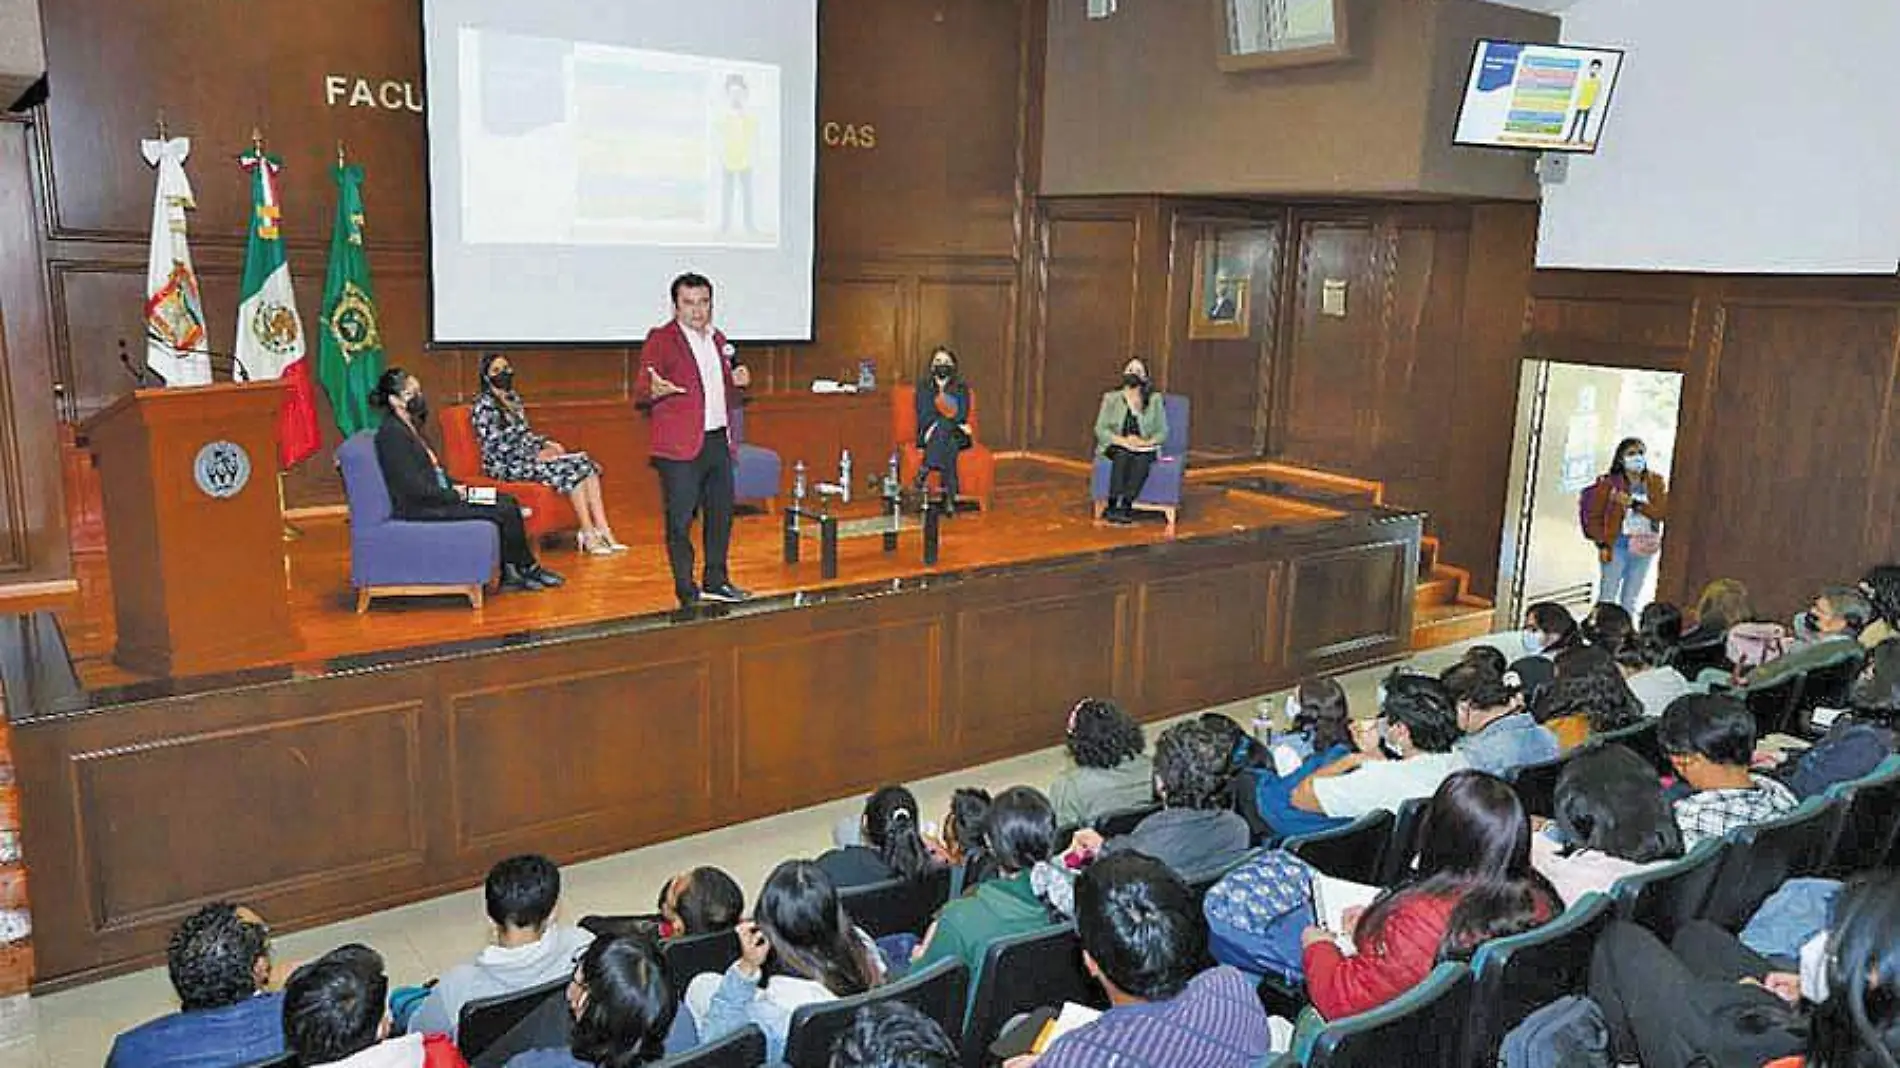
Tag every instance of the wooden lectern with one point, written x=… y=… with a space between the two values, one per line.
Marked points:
x=194 y=527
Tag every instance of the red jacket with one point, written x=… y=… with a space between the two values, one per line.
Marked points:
x=1342 y=986
x=678 y=422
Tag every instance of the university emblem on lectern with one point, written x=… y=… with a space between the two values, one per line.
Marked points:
x=222 y=469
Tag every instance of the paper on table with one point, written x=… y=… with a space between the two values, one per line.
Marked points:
x=1332 y=897
x=1071 y=1017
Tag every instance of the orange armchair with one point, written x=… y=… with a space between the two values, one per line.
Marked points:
x=976 y=465
x=462 y=459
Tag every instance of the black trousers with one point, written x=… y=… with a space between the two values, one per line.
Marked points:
x=701 y=485
x=1687 y=1006
x=505 y=513
x=1127 y=471
x=940 y=454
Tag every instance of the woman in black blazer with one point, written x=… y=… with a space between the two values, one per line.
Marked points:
x=420 y=491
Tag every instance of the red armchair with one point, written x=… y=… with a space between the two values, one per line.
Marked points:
x=976 y=465
x=462 y=459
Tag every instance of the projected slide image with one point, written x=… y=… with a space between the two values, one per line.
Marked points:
x=1549 y=97
x=638 y=147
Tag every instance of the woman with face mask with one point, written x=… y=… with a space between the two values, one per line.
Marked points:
x=1129 y=431
x=513 y=452
x=943 y=423
x=420 y=491
x=1622 y=514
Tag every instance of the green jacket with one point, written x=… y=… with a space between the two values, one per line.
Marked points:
x=996 y=909
x=1108 y=422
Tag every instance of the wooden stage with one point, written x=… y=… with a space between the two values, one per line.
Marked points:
x=407 y=749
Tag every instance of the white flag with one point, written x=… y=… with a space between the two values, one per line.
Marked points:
x=174 y=312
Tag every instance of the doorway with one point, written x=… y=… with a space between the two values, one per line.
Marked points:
x=1569 y=419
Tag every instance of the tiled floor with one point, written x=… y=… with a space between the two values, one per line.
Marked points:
x=76 y=1027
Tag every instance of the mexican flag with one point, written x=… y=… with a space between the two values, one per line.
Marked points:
x=174 y=313
x=350 y=349
x=269 y=334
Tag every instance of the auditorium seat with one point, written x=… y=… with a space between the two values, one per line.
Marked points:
x=1665 y=898
x=1823 y=687
x=1123 y=821
x=897 y=906
x=937 y=991
x=1421 y=1028
x=1871 y=823
x=1536 y=786
x=693 y=955
x=744 y=1048
x=1763 y=856
x=1639 y=738
x=976 y=465
x=1407 y=824
x=1514 y=977
x=1773 y=705
x=550 y=511
x=393 y=557
x=1166 y=479
x=1354 y=852
x=1022 y=973
x=484 y=1020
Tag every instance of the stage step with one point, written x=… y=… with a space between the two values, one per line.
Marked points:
x=1443 y=608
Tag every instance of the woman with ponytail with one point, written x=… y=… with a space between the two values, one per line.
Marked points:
x=890 y=844
x=623 y=1012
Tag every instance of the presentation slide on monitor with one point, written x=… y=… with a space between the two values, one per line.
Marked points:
x=582 y=155
x=1550 y=97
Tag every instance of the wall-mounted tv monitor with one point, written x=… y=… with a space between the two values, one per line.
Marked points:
x=1547 y=98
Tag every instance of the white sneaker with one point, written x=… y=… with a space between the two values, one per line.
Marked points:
x=596 y=545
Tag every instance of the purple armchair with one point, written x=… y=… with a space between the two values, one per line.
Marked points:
x=391 y=557
x=755 y=477
x=1162 y=492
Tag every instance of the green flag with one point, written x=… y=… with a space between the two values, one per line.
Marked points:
x=352 y=352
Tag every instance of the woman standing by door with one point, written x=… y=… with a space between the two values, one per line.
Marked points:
x=1622 y=514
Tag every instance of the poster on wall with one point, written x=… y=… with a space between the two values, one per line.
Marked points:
x=1551 y=98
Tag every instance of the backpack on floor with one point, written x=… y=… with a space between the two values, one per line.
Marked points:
x=1567 y=1033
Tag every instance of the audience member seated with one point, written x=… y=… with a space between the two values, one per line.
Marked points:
x=963 y=846
x=1110 y=772
x=1710 y=740
x=1486 y=656
x=1588 y=696
x=420 y=491
x=1854 y=744
x=620 y=1009
x=513 y=452
x=1648 y=659
x=1022 y=835
x=1500 y=735
x=529 y=947
x=1320 y=734
x=1405 y=753
x=1710 y=1001
x=699 y=902
x=1144 y=939
x=1722 y=604
x=335 y=1013
x=220 y=965
x=1473 y=882
x=892 y=848
x=1549 y=629
x=1881 y=587
x=1829 y=633
x=894 y=1035
x=799 y=948
x=1191 y=834
x=1612 y=820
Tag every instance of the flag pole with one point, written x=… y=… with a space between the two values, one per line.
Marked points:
x=291 y=531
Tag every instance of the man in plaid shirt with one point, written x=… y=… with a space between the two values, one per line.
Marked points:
x=1710 y=741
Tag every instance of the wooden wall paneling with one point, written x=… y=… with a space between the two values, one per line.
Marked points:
x=1034 y=650
x=1208 y=633
x=977 y=317
x=1341 y=605
x=1228 y=381
x=32 y=511
x=1089 y=319
x=1612 y=320
x=1331 y=361
x=858 y=317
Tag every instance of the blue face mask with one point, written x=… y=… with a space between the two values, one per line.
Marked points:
x=1635 y=465
x=1533 y=641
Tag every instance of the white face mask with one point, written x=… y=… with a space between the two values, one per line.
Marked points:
x=1635 y=465
x=1814 y=969
x=1533 y=641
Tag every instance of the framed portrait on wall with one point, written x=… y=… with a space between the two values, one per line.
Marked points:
x=1223 y=281
x=1263 y=34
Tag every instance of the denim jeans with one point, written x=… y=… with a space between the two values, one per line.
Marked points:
x=1621 y=580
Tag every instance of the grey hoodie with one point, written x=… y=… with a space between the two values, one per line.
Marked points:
x=498 y=970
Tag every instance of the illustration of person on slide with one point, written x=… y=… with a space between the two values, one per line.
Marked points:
x=738 y=140
x=1586 y=100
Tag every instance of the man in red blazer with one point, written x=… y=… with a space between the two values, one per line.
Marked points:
x=688 y=382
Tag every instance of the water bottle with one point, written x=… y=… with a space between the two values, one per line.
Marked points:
x=798 y=484
x=844 y=475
